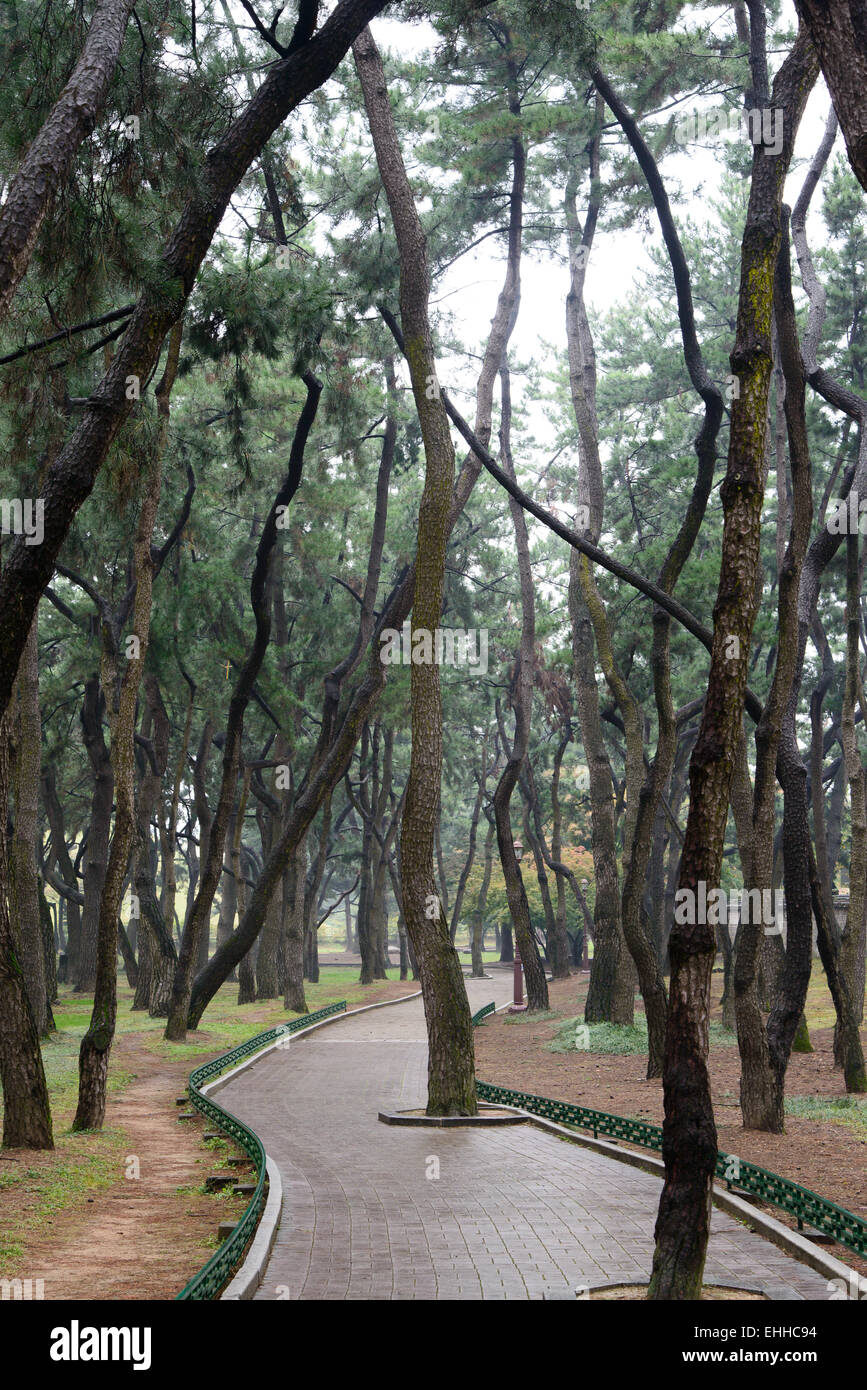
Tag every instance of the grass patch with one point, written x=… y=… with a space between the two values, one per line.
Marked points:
x=617 y=1039
x=81 y=1165
x=850 y=1111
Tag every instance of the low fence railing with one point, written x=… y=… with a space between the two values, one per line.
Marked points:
x=214 y=1275
x=739 y=1176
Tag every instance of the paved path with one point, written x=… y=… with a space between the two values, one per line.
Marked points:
x=371 y=1211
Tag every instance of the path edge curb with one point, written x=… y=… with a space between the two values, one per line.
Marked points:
x=249 y=1276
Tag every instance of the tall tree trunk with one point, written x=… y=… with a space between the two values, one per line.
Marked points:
x=121 y=696
x=293 y=885
x=379 y=918
x=471 y=850
x=401 y=921
x=764 y=1059
x=23 y=881
x=850 y=958
x=689 y=1132
x=347 y=914
x=522 y=703
x=99 y=833
x=54 y=812
x=312 y=897
x=550 y=953
x=451 y=1074
x=610 y=995
x=169 y=827
x=272 y=932
x=507 y=946
x=247 y=966
x=205 y=818
x=26 y=1109
x=851 y=1053
x=229 y=890
x=50 y=952
x=561 y=963
x=156 y=943
x=477 y=929
x=363 y=915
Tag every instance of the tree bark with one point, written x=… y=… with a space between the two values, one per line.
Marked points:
x=49 y=157
x=26 y=1109
x=23 y=882
x=689 y=1132
x=56 y=821
x=477 y=921
x=451 y=1077
x=839 y=35
x=99 y=833
x=122 y=694
x=155 y=939
x=294 y=997
x=610 y=994
x=521 y=695
x=471 y=850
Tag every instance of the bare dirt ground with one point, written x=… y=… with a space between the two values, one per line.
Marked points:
x=145 y=1237
x=825 y=1156
x=140 y=1238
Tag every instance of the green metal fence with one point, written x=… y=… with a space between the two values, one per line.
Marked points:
x=739 y=1176
x=212 y=1277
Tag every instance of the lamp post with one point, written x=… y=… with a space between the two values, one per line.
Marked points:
x=585 y=961
x=518 y=1006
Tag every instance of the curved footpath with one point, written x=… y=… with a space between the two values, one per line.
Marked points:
x=376 y=1211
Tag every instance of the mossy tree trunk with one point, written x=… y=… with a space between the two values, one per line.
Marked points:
x=689 y=1131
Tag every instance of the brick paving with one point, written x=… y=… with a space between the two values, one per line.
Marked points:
x=372 y=1211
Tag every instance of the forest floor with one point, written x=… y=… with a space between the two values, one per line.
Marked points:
x=825 y=1144
x=123 y=1214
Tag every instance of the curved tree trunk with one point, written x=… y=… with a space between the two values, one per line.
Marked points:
x=689 y=1132
x=451 y=1077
